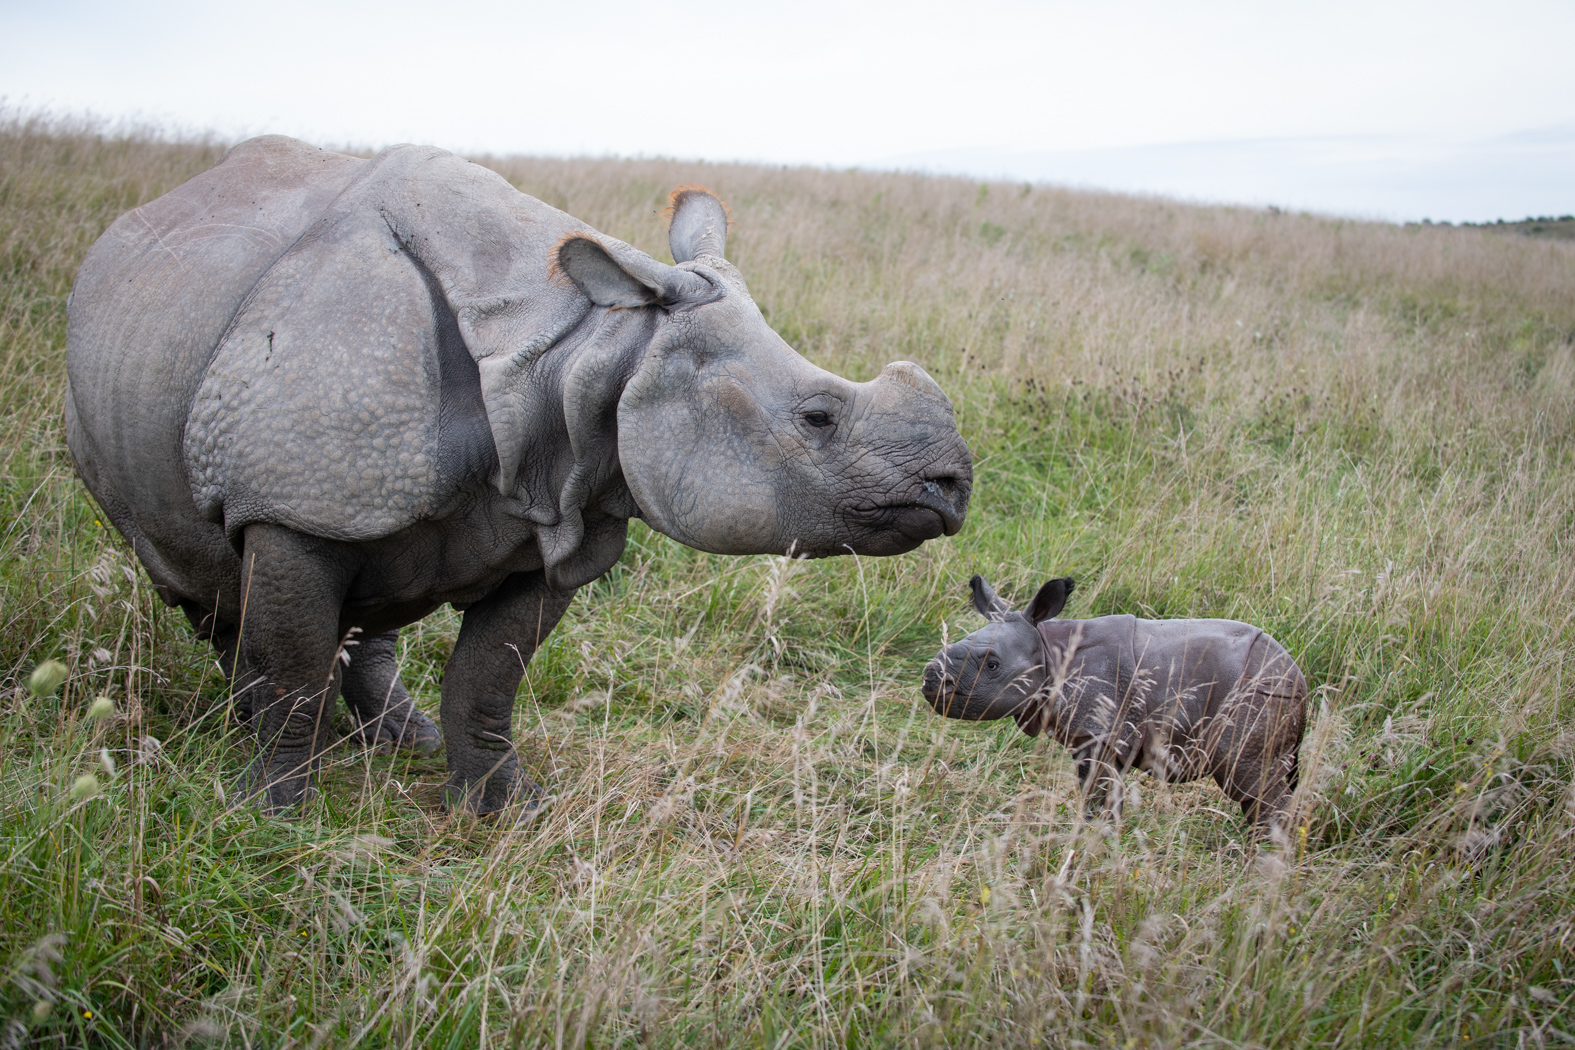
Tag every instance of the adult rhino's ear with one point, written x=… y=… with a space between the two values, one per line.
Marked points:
x=699 y=224
x=986 y=600
x=611 y=273
x=1051 y=599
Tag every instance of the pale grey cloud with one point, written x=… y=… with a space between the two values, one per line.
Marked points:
x=1324 y=89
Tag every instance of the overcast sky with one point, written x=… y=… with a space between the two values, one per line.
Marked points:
x=1395 y=110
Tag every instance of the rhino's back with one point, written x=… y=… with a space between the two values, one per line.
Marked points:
x=1212 y=657
x=1188 y=665
x=151 y=303
x=1221 y=690
x=1173 y=671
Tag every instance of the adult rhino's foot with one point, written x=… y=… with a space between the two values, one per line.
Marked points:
x=407 y=730
x=280 y=786
x=379 y=701
x=492 y=795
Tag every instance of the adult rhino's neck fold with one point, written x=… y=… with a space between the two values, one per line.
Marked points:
x=593 y=502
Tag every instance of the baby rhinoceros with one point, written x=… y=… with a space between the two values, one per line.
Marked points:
x=1181 y=699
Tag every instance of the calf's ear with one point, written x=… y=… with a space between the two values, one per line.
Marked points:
x=1050 y=600
x=986 y=600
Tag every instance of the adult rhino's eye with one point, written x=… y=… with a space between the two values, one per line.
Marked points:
x=817 y=419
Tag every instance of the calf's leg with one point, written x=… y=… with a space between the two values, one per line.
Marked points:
x=1257 y=766
x=1099 y=772
x=292 y=589
x=497 y=638
x=379 y=701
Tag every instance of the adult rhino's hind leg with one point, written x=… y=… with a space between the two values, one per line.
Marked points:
x=497 y=638
x=379 y=701
x=292 y=586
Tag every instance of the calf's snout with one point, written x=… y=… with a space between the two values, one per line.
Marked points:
x=943 y=691
x=936 y=683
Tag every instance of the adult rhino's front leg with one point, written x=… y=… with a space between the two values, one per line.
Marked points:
x=379 y=701
x=293 y=586
x=497 y=638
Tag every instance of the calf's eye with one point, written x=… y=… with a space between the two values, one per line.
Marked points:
x=992 y=665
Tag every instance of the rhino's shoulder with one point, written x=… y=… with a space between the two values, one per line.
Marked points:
x=320 y=408
x=383 y=359
x=280 y=156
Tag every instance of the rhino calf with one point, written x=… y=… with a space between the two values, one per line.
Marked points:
x=1181 y=699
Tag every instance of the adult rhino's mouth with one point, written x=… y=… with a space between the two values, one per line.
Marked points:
x=937 y=509
x=899 y=527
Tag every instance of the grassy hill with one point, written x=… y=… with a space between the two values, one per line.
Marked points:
x=1561 y=227
x=1360 y=436
x=1554 y=227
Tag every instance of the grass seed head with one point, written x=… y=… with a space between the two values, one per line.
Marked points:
x=84 y=787
x=101 y=707
x=47 y=678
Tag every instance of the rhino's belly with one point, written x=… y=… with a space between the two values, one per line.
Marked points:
x=1172 y=756
x=457 y=559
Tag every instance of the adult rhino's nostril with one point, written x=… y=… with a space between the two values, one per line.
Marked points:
x=940 y=495
x=945 y=486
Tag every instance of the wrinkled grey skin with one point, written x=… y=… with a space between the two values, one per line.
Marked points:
x=320 y=394
x=1181 y=699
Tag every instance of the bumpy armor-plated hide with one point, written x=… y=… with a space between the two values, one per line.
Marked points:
x=323 y=395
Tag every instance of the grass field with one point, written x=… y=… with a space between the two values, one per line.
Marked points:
x=1361 y=437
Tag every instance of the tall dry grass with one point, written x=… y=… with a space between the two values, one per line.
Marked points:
x=1356 y=435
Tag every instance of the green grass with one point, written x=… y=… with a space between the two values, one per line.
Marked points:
x=1358 y=436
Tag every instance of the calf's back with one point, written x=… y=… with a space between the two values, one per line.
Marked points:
x=1183 y=698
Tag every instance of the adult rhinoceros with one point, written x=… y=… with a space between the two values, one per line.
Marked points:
x=320 y=393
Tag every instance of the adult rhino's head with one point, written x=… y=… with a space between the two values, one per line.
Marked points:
x=731 y=442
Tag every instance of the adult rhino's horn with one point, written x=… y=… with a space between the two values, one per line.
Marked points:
x=698 y=223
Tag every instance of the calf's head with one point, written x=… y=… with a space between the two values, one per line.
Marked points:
x=731 y=442
x=993 y=671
